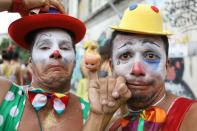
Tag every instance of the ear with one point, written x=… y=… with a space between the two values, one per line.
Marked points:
x=30 y=60
x=30 y=64
x=110 y=64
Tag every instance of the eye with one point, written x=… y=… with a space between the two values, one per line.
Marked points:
x=151 y=57
x=44 y=48
x=64 y=48
x=125 y=56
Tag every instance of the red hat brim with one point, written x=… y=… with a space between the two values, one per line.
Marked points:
x=20 y=28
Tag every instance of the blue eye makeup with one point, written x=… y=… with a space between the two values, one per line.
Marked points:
x=151 y=57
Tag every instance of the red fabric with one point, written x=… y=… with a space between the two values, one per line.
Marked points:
x=177 y=113
x=115 y=125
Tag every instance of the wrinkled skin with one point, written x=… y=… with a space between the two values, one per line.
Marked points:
x=53 y=60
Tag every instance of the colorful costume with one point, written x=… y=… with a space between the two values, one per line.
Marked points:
x=154 y=118
x=12 y=107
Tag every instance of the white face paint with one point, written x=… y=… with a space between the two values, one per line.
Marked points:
x=142 y=61
x=46 y=67
x=48 y=41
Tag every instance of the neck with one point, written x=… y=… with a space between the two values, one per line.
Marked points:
x=59 y=88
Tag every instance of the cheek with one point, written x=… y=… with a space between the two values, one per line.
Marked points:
x=68 y=57
x=121 y=68
x=157 y=69
x=40 y=57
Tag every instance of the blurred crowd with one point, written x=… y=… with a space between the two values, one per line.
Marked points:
x=11 y=68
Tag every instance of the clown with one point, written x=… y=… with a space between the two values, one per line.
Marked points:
x=139 y=62
x=46 y=104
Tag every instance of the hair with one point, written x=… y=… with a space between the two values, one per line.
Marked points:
x=115 y=33
x=30 y=37
x=15 y=55
x=104 y=51
x=6 y=55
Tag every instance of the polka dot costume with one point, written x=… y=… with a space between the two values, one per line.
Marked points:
x=12 y=107
x=85 y=109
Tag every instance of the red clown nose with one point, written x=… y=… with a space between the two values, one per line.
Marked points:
x=138 y=69
x=56 y=54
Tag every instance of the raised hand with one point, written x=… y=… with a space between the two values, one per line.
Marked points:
x=106 y=95
x=44 y=4
x=24 y=7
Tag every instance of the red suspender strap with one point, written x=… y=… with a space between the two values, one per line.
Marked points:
x=176 y=114
x=115 y=125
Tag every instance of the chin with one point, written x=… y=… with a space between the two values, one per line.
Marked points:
x=57 y=80
x=141 y=95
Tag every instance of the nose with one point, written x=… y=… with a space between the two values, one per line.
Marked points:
x=138 y=69
x=56 y=54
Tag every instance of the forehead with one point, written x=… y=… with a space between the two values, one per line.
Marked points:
x=136 y=39
x=53 y=34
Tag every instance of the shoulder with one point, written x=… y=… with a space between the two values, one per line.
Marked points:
x=4 y=87
x=189 y=121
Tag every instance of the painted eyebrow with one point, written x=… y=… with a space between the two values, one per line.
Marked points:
x=150 y=42
x=45 y=39
x=65 y=42
x=128 y=43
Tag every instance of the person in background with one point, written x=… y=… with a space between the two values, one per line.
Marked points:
x=15 y=69
x=4 y=67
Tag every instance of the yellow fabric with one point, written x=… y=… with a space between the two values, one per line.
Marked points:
x=143 y=20
x=154 y=114
x=82 y=89
x=7 y=70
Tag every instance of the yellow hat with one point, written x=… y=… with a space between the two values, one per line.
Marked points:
x=142 y=19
